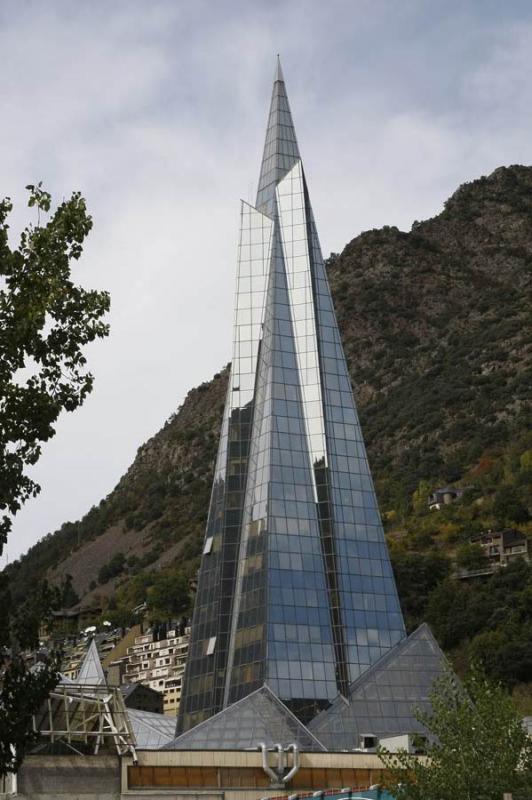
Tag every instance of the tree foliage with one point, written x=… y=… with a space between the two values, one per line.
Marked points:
x=492 y=618
x=417 y=575
x=470 y=556
x=45 y=322
x=112 y=569
x=166 y=592
x=477 y=747
x=23 y=691
x=169 y=596
x=421 y=496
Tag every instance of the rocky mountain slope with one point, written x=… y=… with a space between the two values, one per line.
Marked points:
x=437 y=330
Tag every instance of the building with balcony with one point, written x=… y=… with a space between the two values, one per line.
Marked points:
x=496 y=549
x=157 y=660
x=503 y=547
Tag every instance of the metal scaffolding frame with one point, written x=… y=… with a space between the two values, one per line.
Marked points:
x=94 y=716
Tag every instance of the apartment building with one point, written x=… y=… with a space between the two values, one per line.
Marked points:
x=157 y=659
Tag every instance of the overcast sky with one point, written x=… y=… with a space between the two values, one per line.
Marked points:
x=156 y=110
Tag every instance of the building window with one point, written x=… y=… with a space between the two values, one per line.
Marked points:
x=211 y=644
x=207 y=547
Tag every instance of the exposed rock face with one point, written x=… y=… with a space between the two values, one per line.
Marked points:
x=436 y=326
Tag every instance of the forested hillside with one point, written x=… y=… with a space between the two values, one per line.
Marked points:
x=437 y=330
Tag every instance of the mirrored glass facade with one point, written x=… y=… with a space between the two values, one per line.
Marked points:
x=296 y=589
x=385 y=699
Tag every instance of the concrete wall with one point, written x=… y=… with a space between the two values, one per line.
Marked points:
x=99 y=777
x=70 y=778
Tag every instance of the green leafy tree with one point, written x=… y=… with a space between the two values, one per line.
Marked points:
x=420 y=498
x=112 y=569
x=447 y=612
x=135 y=591
x=506 y=652
x=471 y=556
x=477 y=747
x=45 y=322
x=69 y=596
x=525 y=461
x=508 y=507
x=27 y=617
x=169 y=596
x=22 y=693
x=417 y=574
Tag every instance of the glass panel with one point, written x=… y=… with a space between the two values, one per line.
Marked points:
x=291 y=205
x=384 y=699
x=205 y=677
x=280 y=497
x=259 y=717
x=295 y=583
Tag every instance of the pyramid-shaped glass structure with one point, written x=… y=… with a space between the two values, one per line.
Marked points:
x=91 y=671
x=151 y=731
x=383 y=701
x=295 y=587
x=259 y=718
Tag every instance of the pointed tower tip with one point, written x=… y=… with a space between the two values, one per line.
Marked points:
x=280 y=150
x=278 y=71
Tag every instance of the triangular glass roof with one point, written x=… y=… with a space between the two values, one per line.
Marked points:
x=382 y=701
x=258 y=718
x=151 y=731
x=91 y=671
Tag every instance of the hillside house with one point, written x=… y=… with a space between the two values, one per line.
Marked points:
x=502 y=547
x=75 y=618
x=444 y=497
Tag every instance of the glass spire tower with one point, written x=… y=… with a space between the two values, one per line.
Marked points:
x=295 y=588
